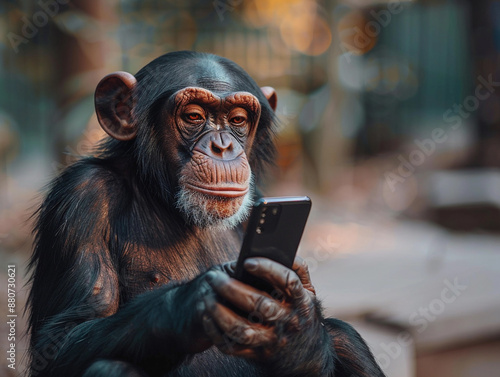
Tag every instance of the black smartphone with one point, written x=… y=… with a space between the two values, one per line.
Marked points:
x=274 y=231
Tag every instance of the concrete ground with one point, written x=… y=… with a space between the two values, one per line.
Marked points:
x=418 y=293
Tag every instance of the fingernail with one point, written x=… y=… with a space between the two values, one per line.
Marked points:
x=210 y=276
x=249 y=333
x=251 y=264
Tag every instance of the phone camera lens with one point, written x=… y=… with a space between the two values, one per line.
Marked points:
x=262 y=221
x=258 y=230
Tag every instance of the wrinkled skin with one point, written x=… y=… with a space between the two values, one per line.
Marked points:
x=263 y=333
x=217 y=131
x=263 y=328
x=256 y=332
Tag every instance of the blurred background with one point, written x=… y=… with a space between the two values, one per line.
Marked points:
x=389 y=119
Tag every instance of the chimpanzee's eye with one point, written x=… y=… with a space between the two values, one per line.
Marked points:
x=237 y=120
x=194 y=113
x=195 y=116
x=237 y=116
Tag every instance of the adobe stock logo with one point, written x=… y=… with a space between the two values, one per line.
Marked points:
x=483 y=91
x=420 y=320
x=453 y=118
x=38 y=20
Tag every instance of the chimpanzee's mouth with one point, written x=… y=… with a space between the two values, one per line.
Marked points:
x=233 y=191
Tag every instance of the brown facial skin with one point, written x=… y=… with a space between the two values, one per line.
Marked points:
x=217 y=132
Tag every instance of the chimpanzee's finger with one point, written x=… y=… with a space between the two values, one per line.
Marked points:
x=224 y=342
x=261 y=307
x=211 y=329
x=229 y=268
x=282 y=278
x=302 y=270
x=237 y=330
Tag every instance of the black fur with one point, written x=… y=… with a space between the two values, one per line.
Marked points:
x=108 y=230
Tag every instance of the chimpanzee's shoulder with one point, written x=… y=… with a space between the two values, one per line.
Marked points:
x=90 y=173
x=90 y=183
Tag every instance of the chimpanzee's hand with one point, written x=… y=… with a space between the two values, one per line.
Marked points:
x=185 y=306
x=282 y=330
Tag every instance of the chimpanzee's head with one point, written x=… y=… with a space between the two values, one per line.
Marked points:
x=199 y=129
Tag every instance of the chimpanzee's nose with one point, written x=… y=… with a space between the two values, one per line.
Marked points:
x=221 y=145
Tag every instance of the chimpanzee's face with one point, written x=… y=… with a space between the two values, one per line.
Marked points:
x=215 y=133
x=196 y=117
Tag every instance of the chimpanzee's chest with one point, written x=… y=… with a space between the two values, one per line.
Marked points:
x=149 y=268
x=137 y=278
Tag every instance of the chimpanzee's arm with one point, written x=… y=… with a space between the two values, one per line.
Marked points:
x=155 y=325
x=75 y=317
x=155 y=331
x=339 y=350
x=353 y=357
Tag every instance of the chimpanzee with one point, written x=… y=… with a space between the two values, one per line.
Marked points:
x=131 y=271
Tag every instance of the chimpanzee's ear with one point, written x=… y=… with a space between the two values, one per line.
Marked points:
x=114 y=104
x=271 y=96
